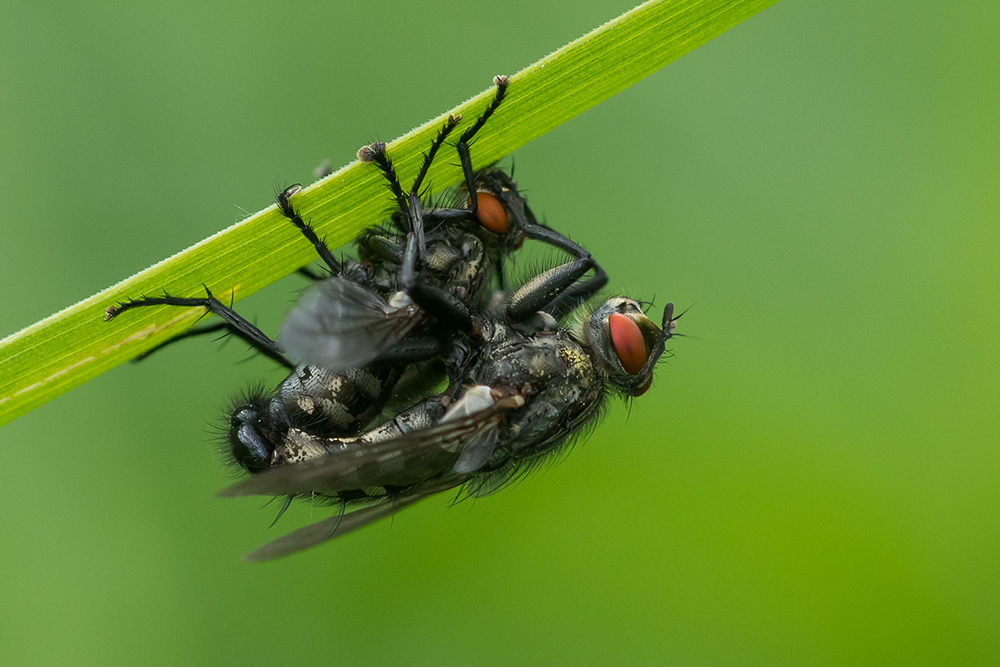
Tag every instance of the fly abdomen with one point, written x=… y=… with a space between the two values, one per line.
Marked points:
x=424 y=414
x=336 y=403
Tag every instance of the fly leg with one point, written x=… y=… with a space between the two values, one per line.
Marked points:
x=225 y=328
x=409 y=207
x=539 y=293
x=529 y=228
x=576 y=295
x=501 y=82
x=413 y=350
x=469 y=176
x=571 y=296
x=415 y=207
x=232 y=320
x=287 y=210
x=380 y=248
x=447 y=309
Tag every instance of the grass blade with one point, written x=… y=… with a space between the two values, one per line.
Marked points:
x=74 y=345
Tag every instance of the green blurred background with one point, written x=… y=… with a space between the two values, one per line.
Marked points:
x=813 y=480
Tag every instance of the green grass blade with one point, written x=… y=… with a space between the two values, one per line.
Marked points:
x=74 y=345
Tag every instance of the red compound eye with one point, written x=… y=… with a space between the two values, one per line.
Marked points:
x=628 y=343
x=491 y=213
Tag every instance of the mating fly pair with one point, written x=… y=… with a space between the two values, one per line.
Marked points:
x=519 y=385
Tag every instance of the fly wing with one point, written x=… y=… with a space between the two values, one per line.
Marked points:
x=477 y=452
x=341 y=524
x=405 y=460
x=479 y=448
x=340 y=324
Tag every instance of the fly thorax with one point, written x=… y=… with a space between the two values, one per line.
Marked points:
x=467 y=276
x=539 y=322
x=530 y=364
x=581 y=363
x=560 y=386
x=441 y=257
x=494 y=332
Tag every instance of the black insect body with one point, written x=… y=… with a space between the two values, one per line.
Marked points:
x=442 y=270
x=261 y=431
x=405 y=301
x=519 y=385
x=360 y=329
x=531 y=387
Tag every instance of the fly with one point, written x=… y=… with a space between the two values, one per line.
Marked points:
x=357 y=332
x=528 y=388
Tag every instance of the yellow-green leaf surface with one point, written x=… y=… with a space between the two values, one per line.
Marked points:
x=76 y=344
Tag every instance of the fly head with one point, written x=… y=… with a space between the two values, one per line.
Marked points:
x=500 y=207
x=627 y=344
x=250 y=444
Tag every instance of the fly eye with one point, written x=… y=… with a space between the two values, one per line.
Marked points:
x=628 y=342
x=491 y=213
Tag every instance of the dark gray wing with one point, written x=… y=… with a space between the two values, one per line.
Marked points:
x=404 y=460
x=339 y=324
x=327 y=529
x=477 y=452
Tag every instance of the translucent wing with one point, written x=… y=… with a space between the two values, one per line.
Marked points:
x=340 y=324
x=332 y=527
x=401 y=461
x=478 y=450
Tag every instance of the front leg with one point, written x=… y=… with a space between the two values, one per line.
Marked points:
x=501 y=82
